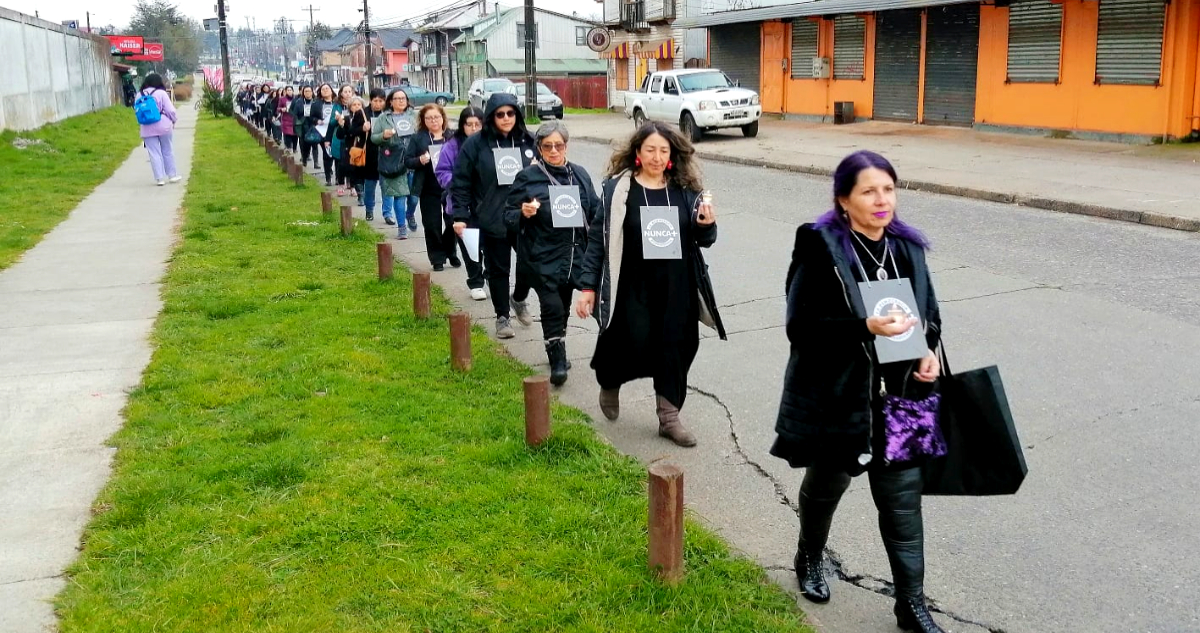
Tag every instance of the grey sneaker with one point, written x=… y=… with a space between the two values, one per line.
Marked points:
x=504 y=328
x=521 y=308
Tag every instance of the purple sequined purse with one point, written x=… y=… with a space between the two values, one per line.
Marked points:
x=911 y=428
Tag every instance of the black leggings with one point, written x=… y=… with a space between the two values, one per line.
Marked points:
x=439 y=230
x=306 y=148
x=897 y=496
x=328 y=162
x=289 y=141
x=556 y=304
x=342 y=168
x=497 y=262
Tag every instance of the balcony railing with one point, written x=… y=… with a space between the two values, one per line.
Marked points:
x=667 y=15
x=633 y=16
x=433 y=59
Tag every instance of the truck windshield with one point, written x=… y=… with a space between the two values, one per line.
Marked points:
x=704 y=81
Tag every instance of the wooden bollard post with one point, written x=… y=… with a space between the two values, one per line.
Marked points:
x=537 y=409
x=421 y=295
x=296 y=173
x=666 y=522
x=285 y=161
x=460 y=341
x=383 y=253
x=347 y=220
x=326 y=202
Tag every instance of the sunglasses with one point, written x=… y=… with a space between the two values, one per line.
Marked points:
x=506 y=114
x=553 y=147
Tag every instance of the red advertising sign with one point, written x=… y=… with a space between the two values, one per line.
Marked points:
x=153 y=52
x=126 y=44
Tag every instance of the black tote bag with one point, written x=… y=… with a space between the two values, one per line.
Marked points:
x=983 y=454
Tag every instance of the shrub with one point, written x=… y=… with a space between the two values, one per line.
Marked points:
x=216 y=103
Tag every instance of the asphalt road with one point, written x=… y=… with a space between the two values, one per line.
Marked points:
x=1088 y=321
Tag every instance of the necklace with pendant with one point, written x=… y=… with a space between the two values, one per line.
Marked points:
x=881 y=270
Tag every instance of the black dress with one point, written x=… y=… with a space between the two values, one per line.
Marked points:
x=655 y=330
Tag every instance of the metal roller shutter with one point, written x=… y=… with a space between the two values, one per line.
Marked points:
x=804 y=47
x=737 y=50
x=897 y=64
x=849 y=41
x=1034 y=41
x=1130 y=42
x=951 y=64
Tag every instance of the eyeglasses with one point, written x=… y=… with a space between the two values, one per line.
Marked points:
x=399 y=98
x=506 y=114
x=553 y=147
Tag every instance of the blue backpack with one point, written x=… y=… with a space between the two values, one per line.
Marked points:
x=146 y=110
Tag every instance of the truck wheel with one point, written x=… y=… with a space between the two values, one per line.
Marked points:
x=639 y=118
x=687 y=125
x=750 y=130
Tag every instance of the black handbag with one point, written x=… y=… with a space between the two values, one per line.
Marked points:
x=983 y=455
x=391 y=160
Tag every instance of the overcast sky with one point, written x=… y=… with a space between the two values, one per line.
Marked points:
x=263 y=12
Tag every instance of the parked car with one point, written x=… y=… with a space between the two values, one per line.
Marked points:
x=482 y=89
x=548 y=103
x=698 y=100
x=418 y=96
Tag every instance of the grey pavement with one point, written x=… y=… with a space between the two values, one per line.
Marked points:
x=1090 y=321
x=76 y=313
x=1159 y=186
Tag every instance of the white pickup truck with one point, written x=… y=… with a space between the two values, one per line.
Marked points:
x=698 y=100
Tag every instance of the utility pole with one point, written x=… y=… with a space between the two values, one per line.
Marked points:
x=226 y=79
x=370 y=61
x=312 y=63
x=530 y=61
x=89 y=21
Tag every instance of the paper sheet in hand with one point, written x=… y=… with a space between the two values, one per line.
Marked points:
x=660 y=233
x=892 y=298
x=435 y=153
x=470 y=238
x=565 y=207
x=508 y=164
x=404 y=126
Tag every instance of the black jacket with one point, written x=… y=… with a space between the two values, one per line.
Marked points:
x=548 y=256
x=478 y=200
x=315 y=111
x=423 y=178
x=356 y=136
x=300 y=115
x=825 y=413
x=600 y=266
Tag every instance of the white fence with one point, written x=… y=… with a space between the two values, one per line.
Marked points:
x=49 y=72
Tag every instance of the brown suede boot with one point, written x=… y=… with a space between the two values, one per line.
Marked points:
x=669 y=425
x=610 y=403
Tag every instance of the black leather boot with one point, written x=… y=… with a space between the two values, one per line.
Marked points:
x=913 y=615
x=816 y=517
x=556 y=351
x=810 y=571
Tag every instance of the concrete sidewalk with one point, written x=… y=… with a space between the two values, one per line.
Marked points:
x=75 y=317
x=1158 y=186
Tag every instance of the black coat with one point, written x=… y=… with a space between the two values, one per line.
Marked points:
x=423 y=176
x=548 y=256
x=478 y=200
x=356 y=136
x=300 y=110
x=825 y=414
x=314 y=117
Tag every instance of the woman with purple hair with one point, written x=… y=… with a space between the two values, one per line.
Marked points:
x=830 y=417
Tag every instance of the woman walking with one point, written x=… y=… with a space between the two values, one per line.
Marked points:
x=486 y=167
x=358 y=145
x=470 y=122
x=338 y=148
x=550 y=207
x=653 y=291
x=287 y=123
x=320 y=117
x=393 y=132
x=263 y=107
x=370 y=172
x=274 y=123
x=424 y=152
x=831 y=420
x=301 y=108
x=157 y=132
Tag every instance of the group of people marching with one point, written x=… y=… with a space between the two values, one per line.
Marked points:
x=633 y=252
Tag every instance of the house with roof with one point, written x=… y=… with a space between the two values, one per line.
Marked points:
x=389 y=52
x=436 y=59
x=332 y=64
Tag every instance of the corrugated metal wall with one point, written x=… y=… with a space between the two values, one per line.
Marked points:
x=849 y=41
x=1034 y=41
x=1130 y=42
x=804 y=47
x=737 y=50
x=897 y=64
x=951 y=64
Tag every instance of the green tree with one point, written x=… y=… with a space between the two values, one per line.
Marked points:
x=182 y=37
x=318 y=32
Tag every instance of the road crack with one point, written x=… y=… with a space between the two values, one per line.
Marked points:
x=1003 y=292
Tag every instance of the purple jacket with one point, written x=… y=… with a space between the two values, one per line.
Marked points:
x=167 y=123
x=445 y=170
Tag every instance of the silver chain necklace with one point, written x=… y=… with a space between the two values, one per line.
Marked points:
x=881 y=271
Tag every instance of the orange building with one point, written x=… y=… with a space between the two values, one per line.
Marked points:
x=1113 y=69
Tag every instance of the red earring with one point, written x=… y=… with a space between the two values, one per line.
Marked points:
x=637 y=161
x=670 y=165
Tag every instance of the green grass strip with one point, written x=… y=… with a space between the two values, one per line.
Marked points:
x=301 y=457
x=41 y=184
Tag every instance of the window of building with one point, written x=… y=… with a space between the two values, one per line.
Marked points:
x=521 y=36
x=581 y=35
x=804 y=47
x=1034 y=41
x=849 y=46
x=1130 y=41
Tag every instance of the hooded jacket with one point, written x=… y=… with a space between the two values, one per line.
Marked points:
x=549 y=256
x=478 y=199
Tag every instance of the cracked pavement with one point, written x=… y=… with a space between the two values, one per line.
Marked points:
x=1090 y=322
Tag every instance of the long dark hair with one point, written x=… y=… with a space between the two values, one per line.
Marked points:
x=844 y=179
x=460 y=134
x=685 y=173
x=318 y=97
x=154 y=80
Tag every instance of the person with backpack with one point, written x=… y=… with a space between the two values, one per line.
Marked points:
x=156 y=115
